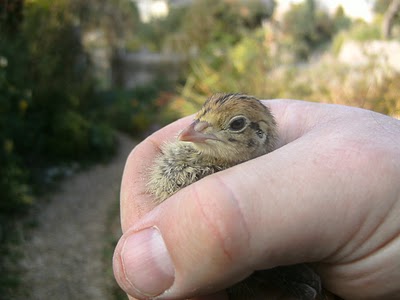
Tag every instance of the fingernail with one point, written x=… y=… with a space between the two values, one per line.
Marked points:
x=146 y=262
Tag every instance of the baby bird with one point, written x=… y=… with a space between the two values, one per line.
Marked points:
x=228 y=130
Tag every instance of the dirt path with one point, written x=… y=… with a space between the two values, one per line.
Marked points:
x=64 y=259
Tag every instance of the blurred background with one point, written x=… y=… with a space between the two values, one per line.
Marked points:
x=75 y=75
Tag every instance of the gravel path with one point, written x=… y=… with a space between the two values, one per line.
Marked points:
x=65 y=256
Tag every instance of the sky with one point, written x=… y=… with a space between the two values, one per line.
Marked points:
x=354 y=8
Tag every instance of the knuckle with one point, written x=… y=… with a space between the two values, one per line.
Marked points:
x=222 y=217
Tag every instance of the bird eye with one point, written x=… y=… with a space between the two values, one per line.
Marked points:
x=237 y=124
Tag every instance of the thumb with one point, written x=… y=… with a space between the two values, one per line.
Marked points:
x=221 y=229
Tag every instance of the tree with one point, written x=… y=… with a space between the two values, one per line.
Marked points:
x=118 y=19
x=389 y=18
x=10 y=15
x=340 y=19
x=307 y=26
x=209 y=22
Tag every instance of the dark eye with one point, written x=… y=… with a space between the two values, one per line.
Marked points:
x=237 y=124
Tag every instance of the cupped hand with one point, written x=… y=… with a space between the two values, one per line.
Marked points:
x=328 y=195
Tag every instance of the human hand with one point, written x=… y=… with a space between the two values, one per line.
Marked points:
x=329 y=195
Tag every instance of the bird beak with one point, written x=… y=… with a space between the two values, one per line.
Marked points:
x=194 y=133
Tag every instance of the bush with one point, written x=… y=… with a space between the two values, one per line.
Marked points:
x=368 y=87
x=47 y=122
x=249 y=69
x=16 y=193
x=242 y=68
x=136 y=110
x=14 y=100
x=45 y=86
x=307 y=27
x=74 y=130
x=362 y=32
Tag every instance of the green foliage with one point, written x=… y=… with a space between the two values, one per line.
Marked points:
x=367 y=87
x=155 y=34
x=11 y=16
x=257 y=63
x=46 y=91
x=340 y=20
x=242 y=68
x=362 y=31
x=9 y=257
x=14 y=100
x=134 y=111
x=328 y=81
x=74 y=138
x=15 y=190
x=307 y=27
x=208 y=26
x=227 y=36
x=380 y=6
x=359 y=31
x=253 y=65
x=338 y=42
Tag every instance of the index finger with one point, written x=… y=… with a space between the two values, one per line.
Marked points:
x=135 y=201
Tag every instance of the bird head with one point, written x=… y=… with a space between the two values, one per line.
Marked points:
x=231 y=128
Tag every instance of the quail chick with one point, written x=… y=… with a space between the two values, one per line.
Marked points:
x=229 y=129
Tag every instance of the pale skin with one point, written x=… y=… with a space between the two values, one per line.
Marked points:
x=330 y=195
